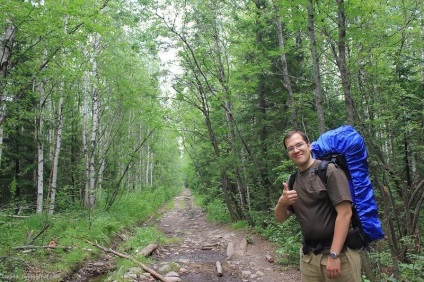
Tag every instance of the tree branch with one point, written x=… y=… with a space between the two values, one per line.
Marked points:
x=151 y=271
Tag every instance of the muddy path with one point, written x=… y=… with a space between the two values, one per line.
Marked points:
x=204 y=251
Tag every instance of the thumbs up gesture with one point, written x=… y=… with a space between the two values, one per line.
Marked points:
x=288 y=197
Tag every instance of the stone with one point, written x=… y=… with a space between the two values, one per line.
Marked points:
x=172 y=274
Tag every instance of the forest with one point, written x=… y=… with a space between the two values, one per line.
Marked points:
x=101 y=99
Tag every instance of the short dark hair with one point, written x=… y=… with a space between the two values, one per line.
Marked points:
x=293 y=132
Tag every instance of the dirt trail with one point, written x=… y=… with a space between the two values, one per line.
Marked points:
x=203 y=243
x=199 y=246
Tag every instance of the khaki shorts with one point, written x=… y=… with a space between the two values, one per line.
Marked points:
x=313 y=267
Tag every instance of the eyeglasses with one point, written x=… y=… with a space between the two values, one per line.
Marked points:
x=297 y=146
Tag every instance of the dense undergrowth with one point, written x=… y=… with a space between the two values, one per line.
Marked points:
x=24 y=257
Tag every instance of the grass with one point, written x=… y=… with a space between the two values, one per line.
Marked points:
x=74 y=229
x=138 y=239
x=215 y=209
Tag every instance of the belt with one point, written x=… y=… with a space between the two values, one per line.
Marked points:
x=317 y=246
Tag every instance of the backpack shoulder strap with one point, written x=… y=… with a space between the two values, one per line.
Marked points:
x=292 y=179
x=321 y=170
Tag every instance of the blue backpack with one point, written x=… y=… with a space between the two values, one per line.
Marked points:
x=345 y=147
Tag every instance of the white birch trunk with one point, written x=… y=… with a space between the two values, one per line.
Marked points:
x=90 y=148
x=151 y=168
x=147 y=175
x=92 y=171
x=40 y=149
x=40 y=176
x=102 y=145
x=58 y=142
x=84 y=137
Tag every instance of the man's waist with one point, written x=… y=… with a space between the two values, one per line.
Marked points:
x=317 y=246
x=316 y=242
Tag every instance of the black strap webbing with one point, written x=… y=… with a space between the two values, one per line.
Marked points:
x=321 y=171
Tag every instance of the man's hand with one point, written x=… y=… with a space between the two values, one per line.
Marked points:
x=333 y=268
x=288 y=197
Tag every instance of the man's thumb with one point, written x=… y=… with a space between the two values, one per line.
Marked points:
x=285 y=187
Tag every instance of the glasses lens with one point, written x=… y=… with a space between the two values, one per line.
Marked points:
x=297 y=146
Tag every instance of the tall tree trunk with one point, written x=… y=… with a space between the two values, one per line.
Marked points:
x=223 y=69
x=341 y=62
x=263 y=182
x=102 y=149
x=93 y=144
x=40 y=148
x=55 y=165
x=283 y=59
x=90 y=148
x=263 y=136
x=85 y=137
x=6 y=45
x=315 y=64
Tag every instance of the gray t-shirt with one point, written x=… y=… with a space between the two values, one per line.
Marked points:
x=314 y=207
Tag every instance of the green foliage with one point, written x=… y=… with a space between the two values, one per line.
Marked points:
x=142 y=237
x=240 y=224
x=288 y=235
x=75 y=229
x=285 y=169
x=413 y=271
x=216 y=209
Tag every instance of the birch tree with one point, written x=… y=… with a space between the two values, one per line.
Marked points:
x=57 y=147
x=40 y=147
x=90 y=132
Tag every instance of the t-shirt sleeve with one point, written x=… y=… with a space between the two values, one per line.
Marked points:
x=337 y=185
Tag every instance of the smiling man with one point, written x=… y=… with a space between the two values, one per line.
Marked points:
x=324 y=213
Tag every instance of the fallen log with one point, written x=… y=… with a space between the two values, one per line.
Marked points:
x=148 y=250
x=269 y=258
x=219 y=268
x=142 y=265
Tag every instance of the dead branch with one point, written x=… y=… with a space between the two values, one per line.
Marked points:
x=31 y=247
x=142 y=265
x=208 y=246
x=15 y=216
x=31 y=240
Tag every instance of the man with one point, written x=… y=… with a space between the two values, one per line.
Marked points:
x=324 y=213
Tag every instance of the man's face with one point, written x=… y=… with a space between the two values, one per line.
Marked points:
x=298 y=150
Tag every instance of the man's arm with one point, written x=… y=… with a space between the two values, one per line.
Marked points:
x=281 y=212
x=344 y=215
